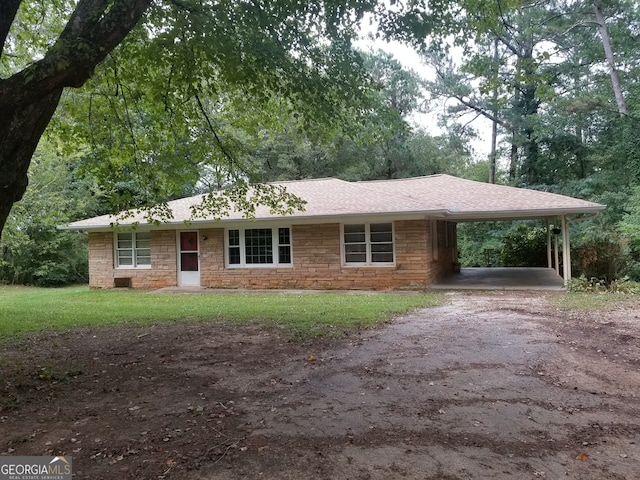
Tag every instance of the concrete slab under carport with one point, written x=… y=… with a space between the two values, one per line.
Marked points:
x=502 y=278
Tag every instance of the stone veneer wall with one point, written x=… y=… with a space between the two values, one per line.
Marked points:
x=316 y=261
x=163 y=271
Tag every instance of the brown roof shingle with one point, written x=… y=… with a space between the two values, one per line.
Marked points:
x=435 y=195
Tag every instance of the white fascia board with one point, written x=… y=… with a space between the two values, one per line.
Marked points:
x=280 y=220
x=522 y=214
x=444 y=214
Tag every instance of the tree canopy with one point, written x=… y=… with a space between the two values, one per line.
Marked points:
x=156 y=99
x=172 y=64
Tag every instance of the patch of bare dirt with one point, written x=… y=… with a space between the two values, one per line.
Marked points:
x=487 y=386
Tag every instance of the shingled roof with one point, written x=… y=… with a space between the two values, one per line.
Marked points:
x=442 y=196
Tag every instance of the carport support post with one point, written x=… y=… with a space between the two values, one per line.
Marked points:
x=549 y=264
x=566 y=251
x=555 y=251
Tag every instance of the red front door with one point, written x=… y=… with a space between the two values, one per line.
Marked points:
x=189 y=259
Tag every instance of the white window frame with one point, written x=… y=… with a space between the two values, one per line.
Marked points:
x=134 y=249
x=275 y=244
x=367 y=230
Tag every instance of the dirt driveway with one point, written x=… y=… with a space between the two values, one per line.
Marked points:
x=487 y=386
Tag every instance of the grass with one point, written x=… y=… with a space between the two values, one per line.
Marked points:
x=591 y=300
x=27 y=309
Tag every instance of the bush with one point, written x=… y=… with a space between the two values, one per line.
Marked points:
x=624 y=286
x=599 y=259
x=43 y=256
x=32 y=249
x=525 y=246
x=584 y=284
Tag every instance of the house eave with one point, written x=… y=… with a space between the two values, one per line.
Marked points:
x=504 y=215
x=288 y=219
x=457 y=216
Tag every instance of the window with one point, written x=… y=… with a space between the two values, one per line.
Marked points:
x=133 y=250
x=259 y=247
x=284 y=245
x=368 y=243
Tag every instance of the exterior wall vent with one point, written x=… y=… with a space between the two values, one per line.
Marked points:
x=123 y=282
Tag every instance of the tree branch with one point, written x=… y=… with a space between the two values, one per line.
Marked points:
x=96 y=27
x=613 y=71
x=481 y=111
x=8 y=11
x=225 y=152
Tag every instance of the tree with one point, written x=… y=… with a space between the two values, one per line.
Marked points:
x=608 y=50
x=29 y=96
x=297 y=50
x=505 y=77
x=32 y=250
x=190 y=52
x=545 y=85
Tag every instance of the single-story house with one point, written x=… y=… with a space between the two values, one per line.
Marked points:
x=387 y=234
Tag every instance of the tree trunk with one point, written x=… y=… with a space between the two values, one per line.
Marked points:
x=492 y=155
x=8 y=11
x=21 y=130
x=28 y=99
x=494 y=126
x=608 y=51
x=527 y=107
x=513 y=159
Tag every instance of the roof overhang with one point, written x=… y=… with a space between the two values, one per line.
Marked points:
x=280 y=220
x=301 y=219
x=488 y=216
x=337 y=201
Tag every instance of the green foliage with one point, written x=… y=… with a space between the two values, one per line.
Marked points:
x=383 y=146
x=583 y=284
x=600 y=258
x=623 y=286
x=540 y=72
x=502 y=244
x=33 y=251
x=197 y=89
x=399 y=88
x=479 y=244
x=524 y=245
x=630 y=229
x=302 y=315
x=290 y=157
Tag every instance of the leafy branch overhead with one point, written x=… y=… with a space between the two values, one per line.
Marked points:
x=246 y=198
x=162 y=81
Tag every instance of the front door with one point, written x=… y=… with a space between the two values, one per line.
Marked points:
x=188 y=260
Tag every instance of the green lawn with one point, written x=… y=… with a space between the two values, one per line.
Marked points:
x=592 y=300
x=26 y=309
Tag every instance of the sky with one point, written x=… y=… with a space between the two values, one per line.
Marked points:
x=410 y=59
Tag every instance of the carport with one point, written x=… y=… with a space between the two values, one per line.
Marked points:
x=503 y=278
x=555 y=276
x=471 y=201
